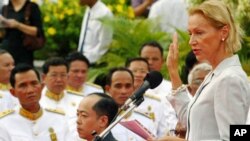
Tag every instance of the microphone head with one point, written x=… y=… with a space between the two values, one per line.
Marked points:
x=154 y=78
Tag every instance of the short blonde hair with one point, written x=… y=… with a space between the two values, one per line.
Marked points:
x=219 y=15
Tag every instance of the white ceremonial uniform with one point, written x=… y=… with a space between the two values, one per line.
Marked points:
x=7 y=101
x=95 y=37
x=163 y=115
x=87 y=89
x=49 y=127
x=162 y=90
x=170 y=14
x=67 y=106
x=4 y=136
x=123 y=134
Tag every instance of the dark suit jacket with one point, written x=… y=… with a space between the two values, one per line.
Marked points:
x=109 y=137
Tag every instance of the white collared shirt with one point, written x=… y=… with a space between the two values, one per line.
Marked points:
x=97 y=36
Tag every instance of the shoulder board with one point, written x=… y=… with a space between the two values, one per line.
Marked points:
x=94 y=85
x=74 y=92
x=142 y=113
x=5 y=113
x=151 y=96
x=57 y=111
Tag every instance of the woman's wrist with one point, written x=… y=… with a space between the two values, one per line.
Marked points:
x=180 y=89
x=18 y=25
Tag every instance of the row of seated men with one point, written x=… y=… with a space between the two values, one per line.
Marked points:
x=55 y=114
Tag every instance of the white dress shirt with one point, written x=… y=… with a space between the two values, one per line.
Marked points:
x=95 y=37
x=170 y=14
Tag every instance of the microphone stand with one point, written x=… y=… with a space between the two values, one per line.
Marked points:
x=132 y=106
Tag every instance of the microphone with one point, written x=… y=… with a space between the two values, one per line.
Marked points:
x=152 y=80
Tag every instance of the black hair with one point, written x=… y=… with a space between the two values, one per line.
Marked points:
x=105 y=106
x=54 y=61
x=22 y=67
x=101 y=80
x=154 y=44
x=130 y=60
x=113 y=70
x=76 y=56
x=3 y=51
x=190 y=61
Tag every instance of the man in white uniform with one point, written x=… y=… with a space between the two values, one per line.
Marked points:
x=95 y=37
x=153 y=52
x=30 y=122
x=77 y=76
x=54 y=95
x=7 y=101
x=163 y=115
x=120 y=87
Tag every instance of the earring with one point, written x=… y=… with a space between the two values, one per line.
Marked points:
x=223 y=39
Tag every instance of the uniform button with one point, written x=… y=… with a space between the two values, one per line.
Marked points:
x=35 y=134
x=73 y=104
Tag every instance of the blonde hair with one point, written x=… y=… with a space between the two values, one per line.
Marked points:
x=219 y=15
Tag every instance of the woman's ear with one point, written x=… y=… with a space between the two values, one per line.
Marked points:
x=224 y=32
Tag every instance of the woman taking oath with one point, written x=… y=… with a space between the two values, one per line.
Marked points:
x=224 y=96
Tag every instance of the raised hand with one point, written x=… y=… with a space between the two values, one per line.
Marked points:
x=172 y=63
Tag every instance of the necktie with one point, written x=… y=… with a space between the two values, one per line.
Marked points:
x=85 y=31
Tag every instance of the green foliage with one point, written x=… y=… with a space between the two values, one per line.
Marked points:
x=128 y=37
x=62 y=23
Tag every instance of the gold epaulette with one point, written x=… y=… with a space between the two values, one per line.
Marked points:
x=151 y=96
x=58 y=111
x=74 y=92
x=94 y=85
x=142 y=113
x=5 y=113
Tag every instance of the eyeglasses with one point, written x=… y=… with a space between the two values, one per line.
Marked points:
x=139 y=71
x=58 y=75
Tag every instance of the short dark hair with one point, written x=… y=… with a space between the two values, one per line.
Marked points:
x=113 y=70
x=3 y=51
x=190 y=61
x=154 y=44
x=105 y=106
x=54 y=61
x=130 y=60
x=19 y=69
x=76 y=56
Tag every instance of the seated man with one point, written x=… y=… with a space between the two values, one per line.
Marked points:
x=77 y=76
x=54 y=94
x=120 y=86
x=4 y=136
x=94 y=114
x=30 y=122
x=7 y=101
